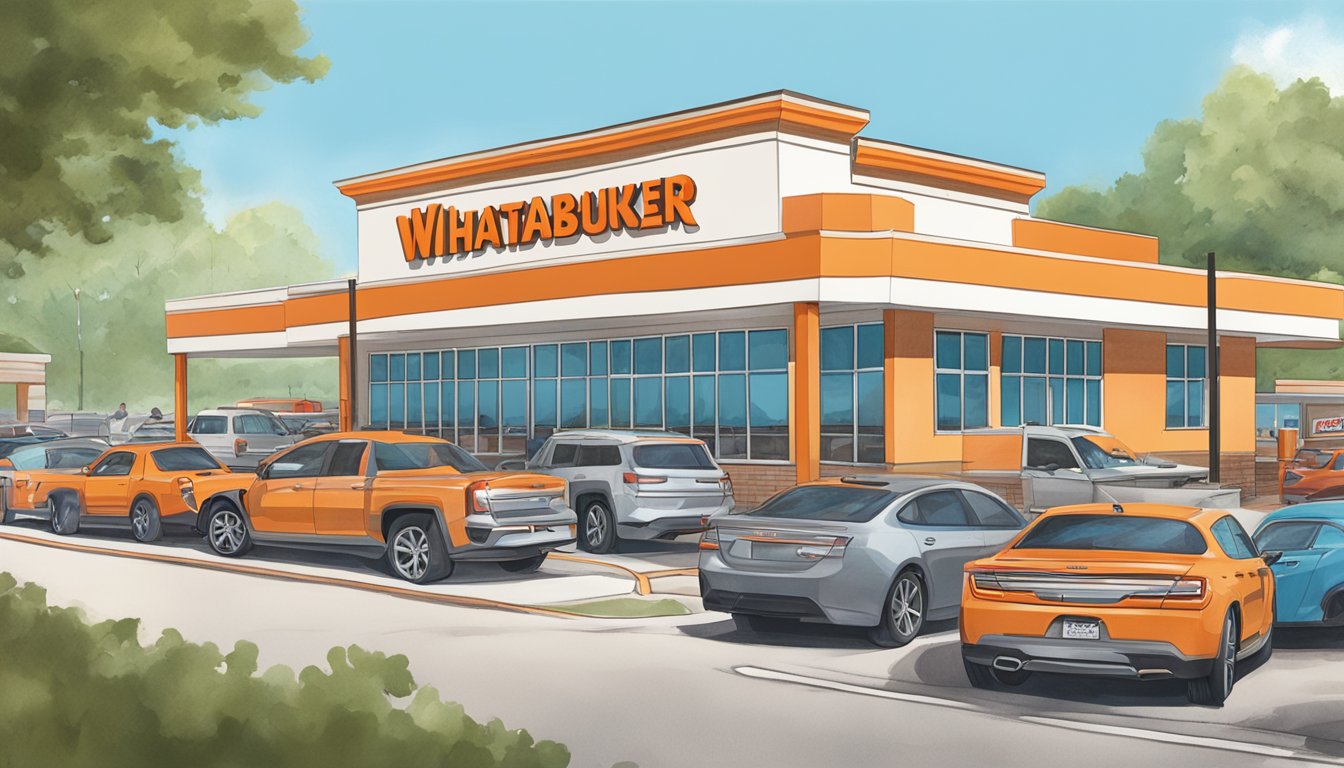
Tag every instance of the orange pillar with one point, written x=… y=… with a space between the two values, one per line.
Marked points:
x=180 y=397
x=21 y=402
x=347 y=419
x=889 y=385
x=807 y=390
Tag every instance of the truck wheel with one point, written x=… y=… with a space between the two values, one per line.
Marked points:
x=65 y=515
x=526 y=565
x=146 y=526
x=226 y=530
x=415 y=550
x=597 y=527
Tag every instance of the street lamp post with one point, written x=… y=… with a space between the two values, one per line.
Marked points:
x=79 y=342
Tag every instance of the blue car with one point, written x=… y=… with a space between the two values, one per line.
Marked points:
x=1309 y=578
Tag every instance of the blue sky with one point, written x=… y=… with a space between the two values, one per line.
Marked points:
x=1071 y=88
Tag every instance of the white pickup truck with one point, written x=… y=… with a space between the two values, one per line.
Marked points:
x=1080 y=464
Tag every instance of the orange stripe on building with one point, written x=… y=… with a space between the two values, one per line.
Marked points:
x=894 y=158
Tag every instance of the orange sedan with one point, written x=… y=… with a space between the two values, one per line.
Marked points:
x=1313 y=475
x=1143 y=591
x=135 y=486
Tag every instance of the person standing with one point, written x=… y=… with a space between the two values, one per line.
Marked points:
x=120 y=413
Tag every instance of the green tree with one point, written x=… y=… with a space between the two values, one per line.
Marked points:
x=83 y=86
x=1258 y=178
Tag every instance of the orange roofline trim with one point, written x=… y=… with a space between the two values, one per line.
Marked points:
x=940 y=168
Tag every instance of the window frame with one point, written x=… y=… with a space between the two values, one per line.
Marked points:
x=961 y=372
x=1046 y=377
x=855 y=371
x=1186 y=380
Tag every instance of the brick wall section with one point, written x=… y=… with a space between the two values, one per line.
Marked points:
x=754 y=483
x=1239 y=469
x=1267 y=478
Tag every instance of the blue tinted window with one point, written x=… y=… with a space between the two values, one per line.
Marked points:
x=487 y=363
x=1012 y=354
x=1076 y=358
x=702 y=351
x=648 y=356
x=446 y=407
x=574 y=359
x=396 y=405
x=1076 y=401
x=414 y=414
x=597 y=359
x=1034 y=401
x=1057 y=356
x=378 y=368
x=448 y=364
x=837 y=348
x=871 y=346
x=1033 y=355
x=431 y=366
x=413 y=366
x=703 y=401
x=597 y=403
x=1056 y=400
x=513 y=362
x=431 y=401
x=487 y=406
x=378 y=405
x=648 y=402
x=947 y=349
x=573 y=403
x=977 y=402
x=1194 y=404
x=620 y=357
x=1094 y=403
x=397 y=367
x=466 y=406
x=677 y=354
x=949 y=400
x=732 y=400
x=513 y=403
x=543 y=402
x=1175 y=361
x=1175 y=404
x=768 y=350
x=544 y=365
x=677 y=402
x=871 y=401
x=732 y=351
x=976 y=347
x=466 y=364
x=1094 y=358
x=620 y=402
x=1195 y=364
x=1012 y=400
x=837 y=400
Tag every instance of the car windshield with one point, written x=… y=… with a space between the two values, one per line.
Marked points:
x=1286 y=536
x=673 y=456
x=1123 y=533
x=826 y=502
x=30 y=457
x=183 y=459
x=1103 y=452
x=393 y=456
x=1310 y=458
x=294 y=424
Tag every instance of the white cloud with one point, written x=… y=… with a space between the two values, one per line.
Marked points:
x=1298 y=50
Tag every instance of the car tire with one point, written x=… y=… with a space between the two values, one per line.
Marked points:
x=415 y=550
x=980 y=675
x=226 y=530
x=146 y=525
x=1214 y=688
x=526 y=565
x=902 y=612
x=65 y=515
x=597 y=527
x=6 y=514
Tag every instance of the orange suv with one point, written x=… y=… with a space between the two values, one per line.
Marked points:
x=1142 y=591
x=420 y=502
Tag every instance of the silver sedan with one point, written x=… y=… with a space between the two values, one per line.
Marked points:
x=878 y=551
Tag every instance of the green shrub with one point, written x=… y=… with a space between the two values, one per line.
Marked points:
x=76 y=694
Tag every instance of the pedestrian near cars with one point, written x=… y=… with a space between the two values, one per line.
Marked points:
x=155 y=414
x=120 y=413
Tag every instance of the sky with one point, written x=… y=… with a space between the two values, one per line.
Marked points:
x=1071 y=88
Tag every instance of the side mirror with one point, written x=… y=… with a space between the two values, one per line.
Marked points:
x=86 y=469
x=1271 y=558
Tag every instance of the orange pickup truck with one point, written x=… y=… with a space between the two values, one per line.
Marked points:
x=421 y=503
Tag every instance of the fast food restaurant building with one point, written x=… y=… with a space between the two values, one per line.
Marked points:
x=758 y=274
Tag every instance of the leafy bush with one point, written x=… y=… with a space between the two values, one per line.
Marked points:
x=79 y=694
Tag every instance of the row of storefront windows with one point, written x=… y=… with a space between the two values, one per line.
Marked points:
x=730 y=389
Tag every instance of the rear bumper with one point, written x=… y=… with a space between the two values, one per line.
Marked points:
x=490 y=539
x=830 y=591
x=637 y=521
x=1133 y=659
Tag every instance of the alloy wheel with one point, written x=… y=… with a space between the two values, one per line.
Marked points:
x=1229 y=653
x=595 y=526
x=411 y=552
x=907 y=606
x=140 y=520
x=227 y=531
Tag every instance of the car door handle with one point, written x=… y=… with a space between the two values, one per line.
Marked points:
x=359 y=486
x=1289 y=563
x=930 y=541
x=299 y=487
x=1239 y=575
x=580 y=477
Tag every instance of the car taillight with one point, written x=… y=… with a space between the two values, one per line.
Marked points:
x=478 y=498
x=709 y=539
x=634 y=479
x=1290 y=477
x=823 y=548
x=239 y=446
x=1187 y=589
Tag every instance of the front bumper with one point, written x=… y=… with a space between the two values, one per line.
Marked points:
x=1133 y=659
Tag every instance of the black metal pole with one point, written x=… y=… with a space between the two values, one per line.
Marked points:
x=1215 y=395
x=353 y=360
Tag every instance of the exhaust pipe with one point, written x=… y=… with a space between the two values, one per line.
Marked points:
x=1007 y=664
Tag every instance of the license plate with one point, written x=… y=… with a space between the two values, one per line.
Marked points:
x=1082 y=630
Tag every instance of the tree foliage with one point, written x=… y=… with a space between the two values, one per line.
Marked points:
x=79 y=694
x=83 y=85
x=1258 y=178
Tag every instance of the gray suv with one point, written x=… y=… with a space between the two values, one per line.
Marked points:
x=884 y=552
x=240 y=437
x=635 y=485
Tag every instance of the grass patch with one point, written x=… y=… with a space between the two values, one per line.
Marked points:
x=624 y=608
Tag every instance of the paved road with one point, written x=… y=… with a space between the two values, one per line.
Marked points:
x=696 y=691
